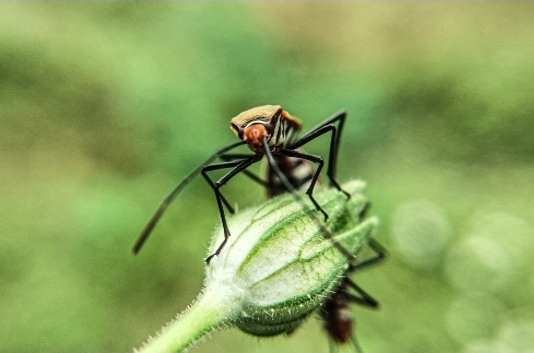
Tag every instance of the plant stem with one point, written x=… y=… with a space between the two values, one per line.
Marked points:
x=211 y=311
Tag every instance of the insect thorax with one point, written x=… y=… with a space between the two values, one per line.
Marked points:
x=285 y=131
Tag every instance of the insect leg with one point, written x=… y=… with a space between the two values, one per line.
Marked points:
x=364 y=299
x=238 y=166
x=330 y=172
x=313 y=158
x=217 y=166
x=339 y=117
x=379 y=257
x=165 y=203
x=363 y=213
x=306 y=209
x=379 y=250
x=254 y=177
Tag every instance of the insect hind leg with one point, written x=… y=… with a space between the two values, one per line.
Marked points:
x=380 y=255
x=364 y=298
x=379 y=250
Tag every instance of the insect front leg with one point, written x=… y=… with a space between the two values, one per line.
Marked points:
x=217 y=166
x=254 y=177
x=237 y=166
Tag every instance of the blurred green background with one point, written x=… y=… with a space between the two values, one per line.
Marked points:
x=105 y=106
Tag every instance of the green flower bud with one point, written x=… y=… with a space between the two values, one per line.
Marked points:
x=276 y=268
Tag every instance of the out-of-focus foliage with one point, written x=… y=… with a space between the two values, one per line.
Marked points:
x=104 y=107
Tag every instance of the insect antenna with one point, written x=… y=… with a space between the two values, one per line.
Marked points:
x=165 y=203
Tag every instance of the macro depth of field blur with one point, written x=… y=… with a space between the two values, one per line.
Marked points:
x=105 y=106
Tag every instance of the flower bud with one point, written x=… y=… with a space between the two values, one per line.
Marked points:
x=278 y=266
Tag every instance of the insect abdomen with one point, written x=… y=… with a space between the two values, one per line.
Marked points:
x=298 y=172
x=337 y=316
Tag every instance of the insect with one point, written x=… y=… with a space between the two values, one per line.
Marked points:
x=267 y=131
x=336 y=313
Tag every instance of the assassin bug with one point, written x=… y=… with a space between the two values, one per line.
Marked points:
x=268 y=131
x=281 y=131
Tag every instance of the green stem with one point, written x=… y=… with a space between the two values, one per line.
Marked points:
x=211 y=311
